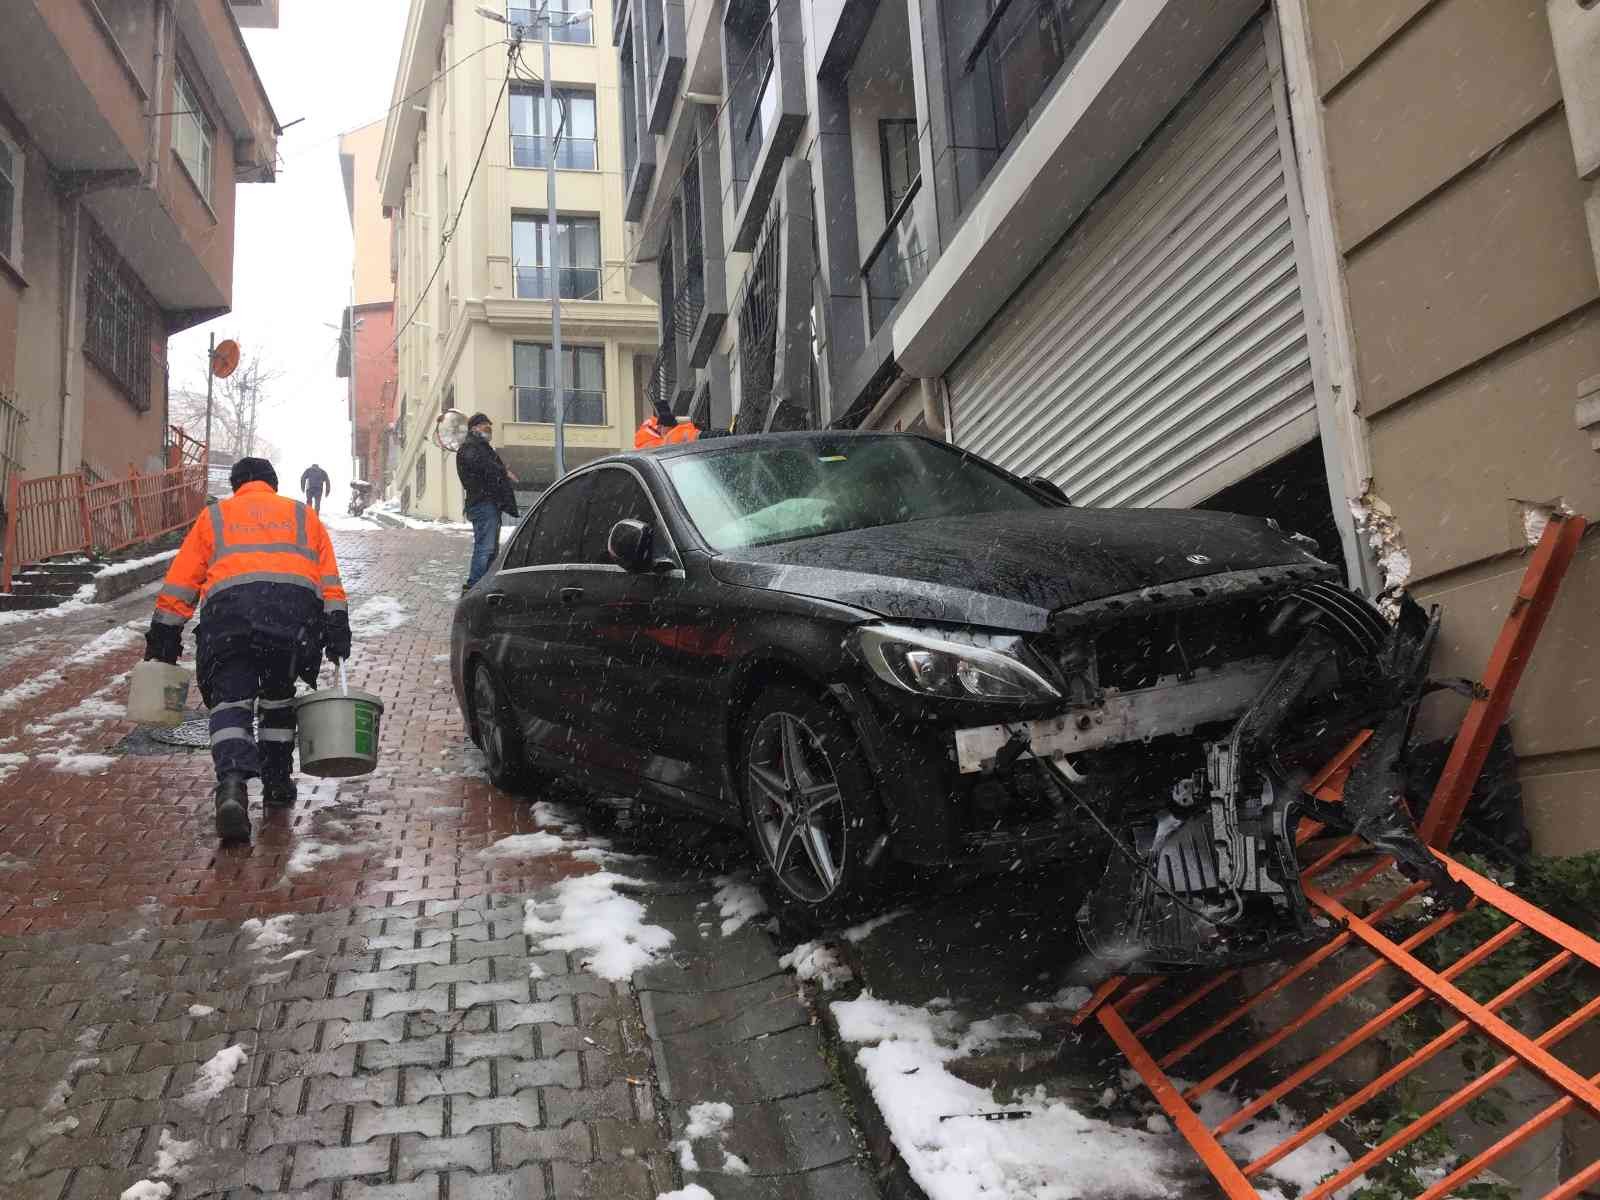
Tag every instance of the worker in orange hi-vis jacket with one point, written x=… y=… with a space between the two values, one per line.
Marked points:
x=262 y=569
x=662 y=429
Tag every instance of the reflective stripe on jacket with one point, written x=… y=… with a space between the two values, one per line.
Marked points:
x=254 y=536
x=651 y=434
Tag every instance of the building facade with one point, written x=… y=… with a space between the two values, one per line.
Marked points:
x=462 y=173
x=124 y=130
x=367 y=355
x=1315 y=261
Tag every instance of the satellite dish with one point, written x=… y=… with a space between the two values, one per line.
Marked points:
x=225 y=359
x=450 y=430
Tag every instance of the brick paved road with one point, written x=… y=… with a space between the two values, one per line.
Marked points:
x=364 y=961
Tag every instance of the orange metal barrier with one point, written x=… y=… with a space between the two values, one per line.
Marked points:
x=1445 y=988
x=65 y=514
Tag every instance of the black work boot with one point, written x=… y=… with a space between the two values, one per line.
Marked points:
x=277 y=789
x=233 y=808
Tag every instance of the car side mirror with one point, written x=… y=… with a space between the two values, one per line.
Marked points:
x=1050 y=488
x=629 y=544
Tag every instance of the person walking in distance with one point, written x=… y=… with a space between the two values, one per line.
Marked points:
x=488 y=493
x=315 y=484
x=262 y=569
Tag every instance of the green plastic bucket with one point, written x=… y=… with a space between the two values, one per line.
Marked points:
x=338 y=732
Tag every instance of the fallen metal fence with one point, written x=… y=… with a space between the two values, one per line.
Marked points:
x=1141 y=1024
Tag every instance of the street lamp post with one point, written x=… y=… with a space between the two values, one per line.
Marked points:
x=554 y=288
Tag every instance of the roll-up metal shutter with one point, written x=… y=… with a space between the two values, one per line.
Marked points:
x=1160 y=353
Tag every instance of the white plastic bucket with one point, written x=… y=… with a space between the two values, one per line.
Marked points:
x=338 y=730
x=158 y=694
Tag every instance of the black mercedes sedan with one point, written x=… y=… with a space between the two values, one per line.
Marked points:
x=876 y=648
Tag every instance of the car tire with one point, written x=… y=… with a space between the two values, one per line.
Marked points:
x=495 y=731
x=810 y=807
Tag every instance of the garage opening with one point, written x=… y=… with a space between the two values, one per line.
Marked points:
x=1293 y=491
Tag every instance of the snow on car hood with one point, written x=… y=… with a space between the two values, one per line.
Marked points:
x=1010 y=570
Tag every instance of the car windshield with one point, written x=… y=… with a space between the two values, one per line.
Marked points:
x=792 y=490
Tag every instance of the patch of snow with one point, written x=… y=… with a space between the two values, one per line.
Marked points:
x=376 y=616
x=739 y=901
x=172 y=1154
x=692 y=1191
x=992 y=1031
x=734 y=1165
x=269 y=934
x=708 y=1119
x=30 y=689
x=133 y=564
x=686 y=1158
x=9 y=764
x=1375 y=520
x=861 y=932
x=587 y=913
x=216 y=1074
x=1072 y=996
x=81 y=599
x=75 y=763
x=310 y=854
x=560 y=817
x=1536 y=516
x=526 y=845
x=819 y=962
x=64 y=1125
x=201 y=1010
x=147 y=1189
x=93 y=709
x=1304 y=1169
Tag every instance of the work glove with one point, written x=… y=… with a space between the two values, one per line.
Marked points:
x=163 y=643
x=336 y=635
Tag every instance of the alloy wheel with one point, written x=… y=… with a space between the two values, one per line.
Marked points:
x=491 y=733
x=796 y=808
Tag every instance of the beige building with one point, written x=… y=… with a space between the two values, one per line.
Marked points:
x=367 y=356
x=471 y=295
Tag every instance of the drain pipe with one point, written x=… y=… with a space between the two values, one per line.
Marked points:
x=153 y=162
x=68 y=309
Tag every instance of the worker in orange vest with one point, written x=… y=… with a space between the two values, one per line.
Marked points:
x=662 y=429
x=264 y=569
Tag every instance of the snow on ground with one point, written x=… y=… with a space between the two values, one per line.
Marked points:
x=1055 y=1152
x=115 y=638
x=171 y=1154
x=147 y=1189
x=133 y=564
x=348 y=524
x=709 y=1120
x=587 y=913
x=74 y=763
x=529 y=845
x=201 y=1010
x=269 y=934
x=216 y=1074
x=30 y=689
x=80 y=600
x=739 y=901
x=692 y=1191
x=861 y=932
x=9 y=764
x=817 y=962
x=376 y=616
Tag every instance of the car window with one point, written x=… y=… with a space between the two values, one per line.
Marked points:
x=615 y=496
x=799 y=489
x=517 y=555
x=558 y=525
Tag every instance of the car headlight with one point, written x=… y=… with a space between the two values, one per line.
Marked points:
x=953 y=664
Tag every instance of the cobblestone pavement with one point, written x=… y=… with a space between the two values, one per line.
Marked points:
x=349 y=1007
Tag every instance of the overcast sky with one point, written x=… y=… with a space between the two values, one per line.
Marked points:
x=333 y=63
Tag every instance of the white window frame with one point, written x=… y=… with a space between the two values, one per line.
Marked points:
x=189 y=118
x=13 y=253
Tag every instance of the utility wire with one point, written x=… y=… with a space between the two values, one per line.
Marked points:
x=466 y=191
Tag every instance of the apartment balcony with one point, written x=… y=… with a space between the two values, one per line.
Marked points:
x=766 y=105
x=579 y=406
x=700 y=300
x=569 y=283
x=661 y=38
x=638 y=144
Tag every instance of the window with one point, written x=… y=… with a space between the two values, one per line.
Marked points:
x=615 y=496
x=583 y=384
x=1027 y=42
x=765 y=109
x=10 y=201
x=558 y=525
x=897 y=144
x=571 y=270
x=422 y=474
x=118 y=320
x=575 y=33
x=574 y=128
x=192 y=132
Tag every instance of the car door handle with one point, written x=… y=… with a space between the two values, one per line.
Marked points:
x=495 y=599
x=571 y=595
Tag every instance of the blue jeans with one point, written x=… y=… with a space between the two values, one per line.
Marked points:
x=485 y=518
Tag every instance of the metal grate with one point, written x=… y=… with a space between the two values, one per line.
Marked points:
x=194 y=734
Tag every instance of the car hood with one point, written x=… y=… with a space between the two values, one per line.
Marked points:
x=1010 y=570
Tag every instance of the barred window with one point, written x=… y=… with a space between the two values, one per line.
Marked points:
x=120 y=319
x=10 y=199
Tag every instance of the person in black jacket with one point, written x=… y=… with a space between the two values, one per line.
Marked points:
x=314 y=482
x=487 y=485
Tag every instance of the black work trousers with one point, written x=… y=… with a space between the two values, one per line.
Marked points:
x=249 y=685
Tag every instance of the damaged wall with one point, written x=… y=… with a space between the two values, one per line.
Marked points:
x=1475 y=314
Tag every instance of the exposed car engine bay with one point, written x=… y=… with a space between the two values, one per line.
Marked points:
x=1194 y=722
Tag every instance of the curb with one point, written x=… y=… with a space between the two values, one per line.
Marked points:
x=384 y=519
x=111 y=587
